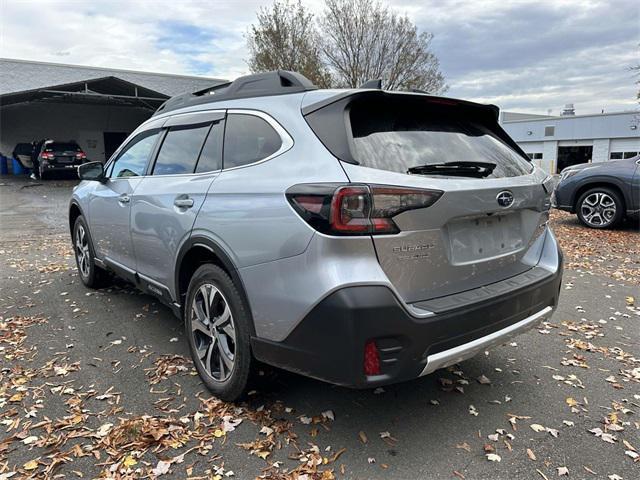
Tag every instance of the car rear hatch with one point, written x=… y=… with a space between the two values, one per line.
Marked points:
x=487 y=224
x=63 y=153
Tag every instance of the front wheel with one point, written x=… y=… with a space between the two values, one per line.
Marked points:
x=217 y=327
x=91 y=275
x=600 y=207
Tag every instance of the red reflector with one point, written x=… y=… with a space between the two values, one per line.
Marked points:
x=371 y=359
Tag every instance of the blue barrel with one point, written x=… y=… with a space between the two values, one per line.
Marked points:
x=4 y=166
x=17 y=167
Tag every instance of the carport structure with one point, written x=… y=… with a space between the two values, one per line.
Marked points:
x=96 y=107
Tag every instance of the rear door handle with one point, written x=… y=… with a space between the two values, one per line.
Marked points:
x=124 y=198
x=183 y=202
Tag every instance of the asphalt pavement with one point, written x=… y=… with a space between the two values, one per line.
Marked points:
x=99 y=383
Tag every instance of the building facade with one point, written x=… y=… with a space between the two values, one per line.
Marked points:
x=96 y=107
x=555 y=142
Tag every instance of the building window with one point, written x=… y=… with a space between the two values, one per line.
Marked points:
x=621 y=155
x=534 y=156
x=549 y=131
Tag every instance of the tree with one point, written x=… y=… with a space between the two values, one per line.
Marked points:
x=285 y=37
x=364 y=40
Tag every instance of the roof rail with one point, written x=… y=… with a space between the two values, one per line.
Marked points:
x=376 y=83
x=278 y=82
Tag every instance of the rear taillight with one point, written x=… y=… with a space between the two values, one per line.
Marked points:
x=81 y=156
x=354 y=209
x=47 y=155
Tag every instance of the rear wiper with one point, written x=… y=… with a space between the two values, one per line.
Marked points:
x=457 y=169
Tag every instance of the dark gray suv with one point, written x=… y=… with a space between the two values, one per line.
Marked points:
x=600 y=194
x=361 y=237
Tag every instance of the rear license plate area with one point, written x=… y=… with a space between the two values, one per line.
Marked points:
x=481 y=238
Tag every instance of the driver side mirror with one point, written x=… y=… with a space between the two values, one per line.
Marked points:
x=92 y=171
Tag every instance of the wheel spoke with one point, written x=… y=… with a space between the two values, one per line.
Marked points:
x=224 y=317
x=206 y=301
x=207 y=361
x=230 y=332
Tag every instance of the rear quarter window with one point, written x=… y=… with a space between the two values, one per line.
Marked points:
x=248 y=139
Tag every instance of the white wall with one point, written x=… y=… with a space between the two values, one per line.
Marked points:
x=65 y=121
x=600 y=150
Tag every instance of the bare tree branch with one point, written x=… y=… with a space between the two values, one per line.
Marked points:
x=363 y=40
x=285 y=37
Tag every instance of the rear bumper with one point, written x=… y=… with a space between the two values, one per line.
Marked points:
x=329 y=343
x=66 y=167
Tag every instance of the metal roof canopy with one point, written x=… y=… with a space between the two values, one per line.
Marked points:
x=105 y=91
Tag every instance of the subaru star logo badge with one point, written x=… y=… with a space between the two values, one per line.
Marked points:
x=505 y=199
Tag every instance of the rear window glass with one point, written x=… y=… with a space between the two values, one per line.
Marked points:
x=397 y=136
x=62 y=147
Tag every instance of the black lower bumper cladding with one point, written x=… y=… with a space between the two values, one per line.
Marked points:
x=329 y=343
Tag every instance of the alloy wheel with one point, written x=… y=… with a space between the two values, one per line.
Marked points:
x=598 y=209
x=82 y=251
x=214 y=333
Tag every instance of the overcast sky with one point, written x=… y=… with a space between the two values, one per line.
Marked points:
x=521 y=55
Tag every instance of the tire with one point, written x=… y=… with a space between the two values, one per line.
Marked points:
x=600 y=208
x=90 y=274
x=219 y=336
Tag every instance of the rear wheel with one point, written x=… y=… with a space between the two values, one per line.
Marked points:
x=600 y=207
x=90 y=274
x=217 y=326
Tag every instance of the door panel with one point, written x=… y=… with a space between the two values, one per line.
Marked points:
x=163 y=211
x=109 y=220
x=110 y=203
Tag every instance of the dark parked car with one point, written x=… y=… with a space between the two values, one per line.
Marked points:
x=57 y=156
x=601 y=194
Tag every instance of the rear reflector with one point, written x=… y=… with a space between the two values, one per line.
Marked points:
x=354 y=209
x=371 y=359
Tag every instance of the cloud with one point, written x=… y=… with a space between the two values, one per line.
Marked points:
x=520 y=54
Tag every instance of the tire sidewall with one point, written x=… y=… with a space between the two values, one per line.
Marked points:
x=616 y=198
x=234 y=386
x=92 y=279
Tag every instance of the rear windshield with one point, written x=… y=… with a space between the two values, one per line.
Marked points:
x=62 y=147
x=398 y=136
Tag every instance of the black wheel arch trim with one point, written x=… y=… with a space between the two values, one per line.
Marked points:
x=221 y=254
x=601 y=181
x=74 y=203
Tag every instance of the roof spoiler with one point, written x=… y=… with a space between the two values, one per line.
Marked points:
x=278 y=82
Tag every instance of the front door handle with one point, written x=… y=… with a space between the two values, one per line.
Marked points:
x=124 y=198
x=183 y=202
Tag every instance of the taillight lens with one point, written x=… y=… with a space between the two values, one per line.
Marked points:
x=47 y=155
x=81 y=155
x=354 y=209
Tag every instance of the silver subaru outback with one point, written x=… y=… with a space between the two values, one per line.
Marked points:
x=361 y=237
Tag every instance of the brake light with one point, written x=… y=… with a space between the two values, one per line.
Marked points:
x=356 y=209
x=47 y=155
x=81 y=155
x=371 y=359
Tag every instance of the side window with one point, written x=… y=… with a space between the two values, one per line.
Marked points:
x=211 y=156
x=132 y=161
x=179 y=151
x=247 y=139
